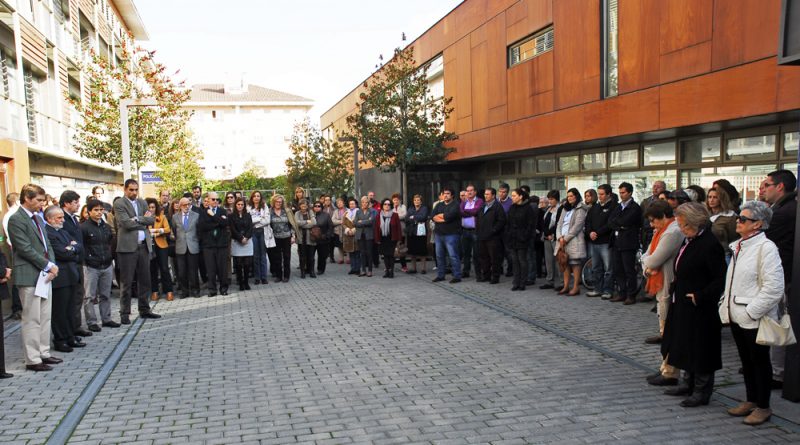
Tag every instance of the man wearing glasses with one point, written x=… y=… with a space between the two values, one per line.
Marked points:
x=779 y=191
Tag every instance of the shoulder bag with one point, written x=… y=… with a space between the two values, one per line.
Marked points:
x=771 y=332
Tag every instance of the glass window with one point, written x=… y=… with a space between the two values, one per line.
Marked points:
x=662 y=153
x=537 y=44
x=642 y=181
x=568 y=163
x=541 y=185
x=508 y=168
x=623 y=158
x=746 y=179
x=492 y=168
x=751 y=148
x=610 y=13
x=584 y=182
x=593 y=161
x=790 y=143
x=696 y=151
x=545 y=165
x=528 y=166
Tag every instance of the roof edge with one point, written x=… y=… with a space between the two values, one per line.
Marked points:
x=133 y=20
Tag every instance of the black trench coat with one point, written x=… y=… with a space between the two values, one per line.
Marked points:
x=692 y=334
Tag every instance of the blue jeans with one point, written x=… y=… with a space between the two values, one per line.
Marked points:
x=469 y=251
x=259 y=256
x=355 y=261
x=602 y=269
x=448 y=246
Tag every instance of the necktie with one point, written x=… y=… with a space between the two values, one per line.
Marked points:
x=41 y=234
x=185 y=221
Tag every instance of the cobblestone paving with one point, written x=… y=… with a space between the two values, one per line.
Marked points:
x=340 y=359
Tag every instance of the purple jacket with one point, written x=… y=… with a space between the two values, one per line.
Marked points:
x=507 y=204
x=470 y=213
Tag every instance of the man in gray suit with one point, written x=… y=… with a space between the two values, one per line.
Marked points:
x=187 y=248
x=134 y=245
x=32 y=256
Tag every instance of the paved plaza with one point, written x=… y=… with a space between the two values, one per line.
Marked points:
x=340 y=359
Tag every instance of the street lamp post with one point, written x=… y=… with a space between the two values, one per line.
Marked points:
x=354 y=141
x=124 y=104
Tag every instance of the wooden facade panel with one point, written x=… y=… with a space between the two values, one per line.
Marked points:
x=63 y=80
x=528 y=17
x=519 y=90
x=480 y=85
x=685 y=23
x=745 y=90
x=542 y=103
x=638 y=44
x=497 y=60
x=450 y=83
x=87 y=7
x=463 y=73
x=577 y=52
x=498 y=115
x=687 y=62
x=543 y=73
x=470 y=15
x=638 y=111
x=74 y=17
x=738 y=25
x=788 y=96
x=34 y=47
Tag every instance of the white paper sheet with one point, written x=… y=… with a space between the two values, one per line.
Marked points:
x=43 y=286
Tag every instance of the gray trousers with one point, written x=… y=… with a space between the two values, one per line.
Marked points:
x=554 y=275
x=134 y=266
x=97 y=290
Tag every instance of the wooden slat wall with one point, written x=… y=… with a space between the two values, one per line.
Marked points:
x=63 y=80
x=74 y=17
x=681 y=62
x=87 y=6
x=34 y=48
x=104 y=29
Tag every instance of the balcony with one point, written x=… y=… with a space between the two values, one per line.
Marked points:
x=12 y=120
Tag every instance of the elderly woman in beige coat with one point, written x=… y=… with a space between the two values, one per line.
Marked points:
x=657 y=263
x=569 y=233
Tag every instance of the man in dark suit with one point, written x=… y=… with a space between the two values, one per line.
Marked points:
x=215 y=240
x=134 y=245
x=71 y=204
x=625 y=222
x=33 y=258
x=187 y=248
x=6 y=275
x=67 y=253
x=491 y=220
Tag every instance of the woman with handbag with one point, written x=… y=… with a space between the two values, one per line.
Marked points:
x=571 y=240
x=387 y=234
x=349 y=243
x=753 y=292
x=417 y=234
x=306 y=244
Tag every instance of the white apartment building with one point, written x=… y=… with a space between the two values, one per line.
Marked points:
x=238 y=123
x=41 y=44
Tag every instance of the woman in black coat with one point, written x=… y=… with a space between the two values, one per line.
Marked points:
x=520 y=229
x=692 y=333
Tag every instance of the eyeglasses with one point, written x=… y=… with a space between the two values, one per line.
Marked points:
x=769 y=184
x=744 y=219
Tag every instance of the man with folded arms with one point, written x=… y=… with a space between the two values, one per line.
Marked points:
x=98 y=271
x=32 y=256
x=67 y=253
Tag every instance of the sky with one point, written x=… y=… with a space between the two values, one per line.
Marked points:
x=318 y=49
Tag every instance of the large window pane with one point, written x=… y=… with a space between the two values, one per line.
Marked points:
x=545 y=165
x=528 y=166
x=696 y=151
x=623 y=158
x=662 y=153
x=584 y=182
x=593 y=161
x=642 y=181
x=610 y=64
x=754 y=148
x=745 y=179
x=790 y=143
x=541 y=185
x=568 y=163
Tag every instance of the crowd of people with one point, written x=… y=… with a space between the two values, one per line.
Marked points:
x=706 y=258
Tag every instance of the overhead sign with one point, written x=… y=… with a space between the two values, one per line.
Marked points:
x=150 y=178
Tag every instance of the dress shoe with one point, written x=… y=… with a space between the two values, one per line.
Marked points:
x=663 y=381
x=776 y=384
x=680 y=390
x=111 y=324
x=94 y=328
x=437 y=279
x=17 y=315
x=653 y=375
x=455 y=280
x=286 y=280
x=125 y=319
x=758 y=416
x=241 y=288
x=545 y=286
x=515 y=288
x=302 y=275
x=494 y=281
x=320 y=272
x=154 y=296
x=83 y=333
x=617 y=299
x=257 y=282
x=149 y=315
x=6 y=375
x=530 y=282
x=212 y=294
x=312 y=275
x=563 y=291
x=247 y=286
x=76 y=344
x=352 y=272
x=574 y=292
x=52 y=360
x=38 y=367
x=223 y=291
x=629 y=301
x=170 y=296
x=693 y=402
x=62 y=347
x=654 y=340
x=744 y=409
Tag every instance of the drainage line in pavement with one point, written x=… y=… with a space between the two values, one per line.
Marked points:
x=725 y=400
x=81 y=406
x=7 y=332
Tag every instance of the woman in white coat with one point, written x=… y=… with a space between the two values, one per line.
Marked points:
x=569 y=233
x=753 y=289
